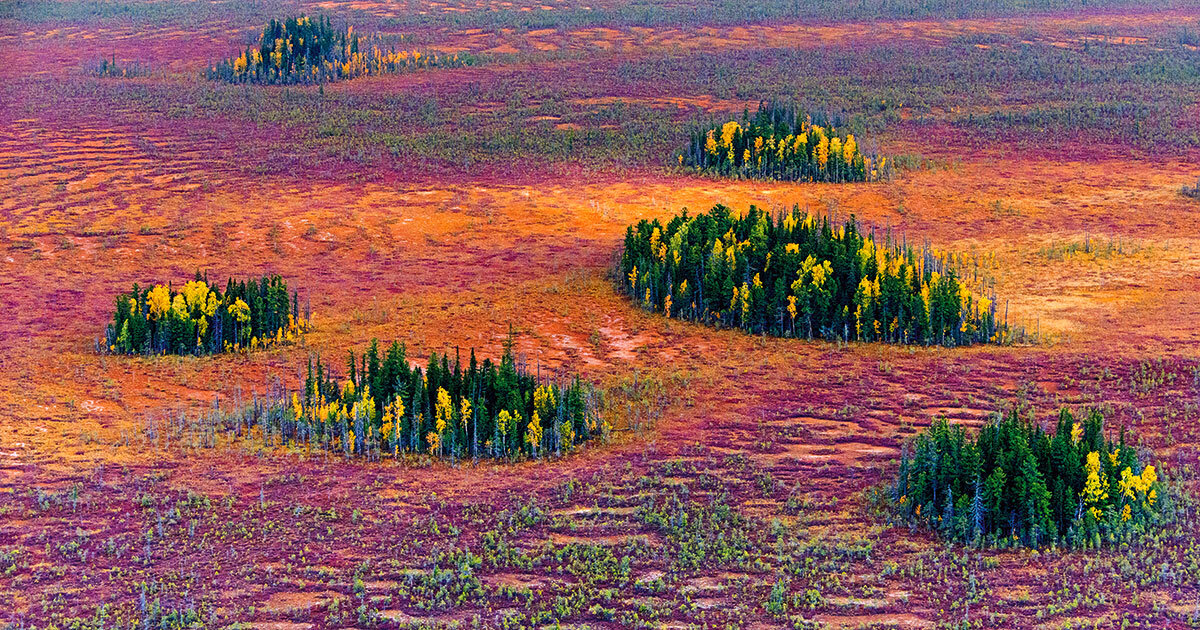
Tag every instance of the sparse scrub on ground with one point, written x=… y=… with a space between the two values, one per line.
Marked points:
x=1091 y=249
x=1192 y=191
x=527 y=15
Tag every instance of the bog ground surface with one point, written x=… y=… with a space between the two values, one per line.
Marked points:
x=443 y=207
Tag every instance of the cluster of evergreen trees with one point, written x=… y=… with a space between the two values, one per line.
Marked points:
x=110 y=68
x=385 y=408
x=1014 y=483
x=306 y=50
x=199 y=319
x=781 y=142
x=799 y=275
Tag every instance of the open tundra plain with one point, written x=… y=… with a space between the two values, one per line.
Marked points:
x=477 y=197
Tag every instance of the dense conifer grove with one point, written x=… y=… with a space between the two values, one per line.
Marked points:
x=385 y=408
x=781 y=142
x=1014 y=483
x=308 y=50
x=199 y=319
x=798 y=275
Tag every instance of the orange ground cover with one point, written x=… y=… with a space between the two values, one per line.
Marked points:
x=88 y=208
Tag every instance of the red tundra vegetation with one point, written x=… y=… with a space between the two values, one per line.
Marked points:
x=747 y=480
